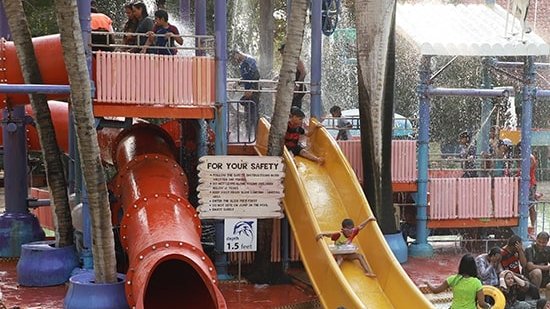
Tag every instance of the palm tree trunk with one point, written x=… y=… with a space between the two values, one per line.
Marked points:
x=266 y=30
x=75 y=61
x=283 y=101
x=52 y=155
x=375 y=24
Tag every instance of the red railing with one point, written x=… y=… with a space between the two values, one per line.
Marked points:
x=128 y=78
x=473 y=198
x=403 y=159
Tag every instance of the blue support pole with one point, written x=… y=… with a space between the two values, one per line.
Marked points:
x=4 y=27
x=486 y=108
x=84 y=10
x=421 y=247
x=316 y=45
x=185 y=11
x=526 y=119
x=220 y=29
x=17 y=225
x=200 y=24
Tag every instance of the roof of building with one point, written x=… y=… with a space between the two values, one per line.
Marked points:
x=465 y=30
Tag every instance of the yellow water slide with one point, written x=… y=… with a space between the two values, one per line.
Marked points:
x=317 y=198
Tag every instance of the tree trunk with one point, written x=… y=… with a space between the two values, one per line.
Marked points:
x=375 y=24
x=283 y=100
x=52 y=155
x=266 y=29
x=75 y=61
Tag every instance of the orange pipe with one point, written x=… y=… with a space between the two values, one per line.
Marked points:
x=160 y=230
x=49 y=55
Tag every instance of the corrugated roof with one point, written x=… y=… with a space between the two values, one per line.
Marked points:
x=464 y=30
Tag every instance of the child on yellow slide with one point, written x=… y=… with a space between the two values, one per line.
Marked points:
x=343 y=248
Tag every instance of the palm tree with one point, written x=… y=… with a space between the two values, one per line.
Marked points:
x=375 y=24
x=75 y=61
x=283 y=100
x=52 y=155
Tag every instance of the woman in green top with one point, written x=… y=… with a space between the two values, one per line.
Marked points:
x=465 y=285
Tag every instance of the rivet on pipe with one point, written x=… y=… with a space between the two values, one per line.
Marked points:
x=129 y=282
x=156 y=157
x=124 y=226
x=141 y=257
x=156 y=195
x=128 y=215
x=210 y=269
x=180 y=243
x=213 y=280
x=167 y=245
x=203 y=258
x=178 y=199
x=124 y=237
x=145 y=199
x=135 y=206
x=193 y=248
x=154 y=247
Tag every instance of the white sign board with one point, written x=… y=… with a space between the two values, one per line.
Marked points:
x=240 y=235
x=240 y=186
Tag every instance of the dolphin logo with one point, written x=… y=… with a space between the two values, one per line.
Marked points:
x=244 y=228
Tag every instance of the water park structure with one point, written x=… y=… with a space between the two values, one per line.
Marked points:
x=159 y=228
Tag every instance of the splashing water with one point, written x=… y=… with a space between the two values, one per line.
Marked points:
x=511 y=120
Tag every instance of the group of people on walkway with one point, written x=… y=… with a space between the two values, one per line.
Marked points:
x=148 y=35
x=519 y=274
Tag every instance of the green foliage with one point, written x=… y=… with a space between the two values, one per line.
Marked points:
x=41 y=17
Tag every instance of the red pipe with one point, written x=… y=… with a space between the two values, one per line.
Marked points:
x=49 y=55
x=160 y=230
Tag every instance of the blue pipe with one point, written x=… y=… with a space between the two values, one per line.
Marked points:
x=200 y=24
x=542 y=93
x=221 y=125
x=84 y=10
x=34 y=88
x=185 y=12
x=421 y=247
x=526 y=119
x=316 y=37
x=468 y=92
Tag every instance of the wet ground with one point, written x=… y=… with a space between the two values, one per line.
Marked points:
x=248 y=296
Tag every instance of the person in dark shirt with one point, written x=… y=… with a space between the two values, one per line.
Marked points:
x=166 y=35
x=538 y=262
x=145 y=24
x=249 y=73
x=513 y=259
x=292 y=137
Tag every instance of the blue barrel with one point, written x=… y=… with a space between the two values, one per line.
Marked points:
x=84 y=293
x=42 y=264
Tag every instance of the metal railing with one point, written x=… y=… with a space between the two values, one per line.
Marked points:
x=243 y=118
x=113 y=41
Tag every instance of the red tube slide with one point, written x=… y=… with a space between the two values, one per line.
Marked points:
x=160 y=230
x=49 y=55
